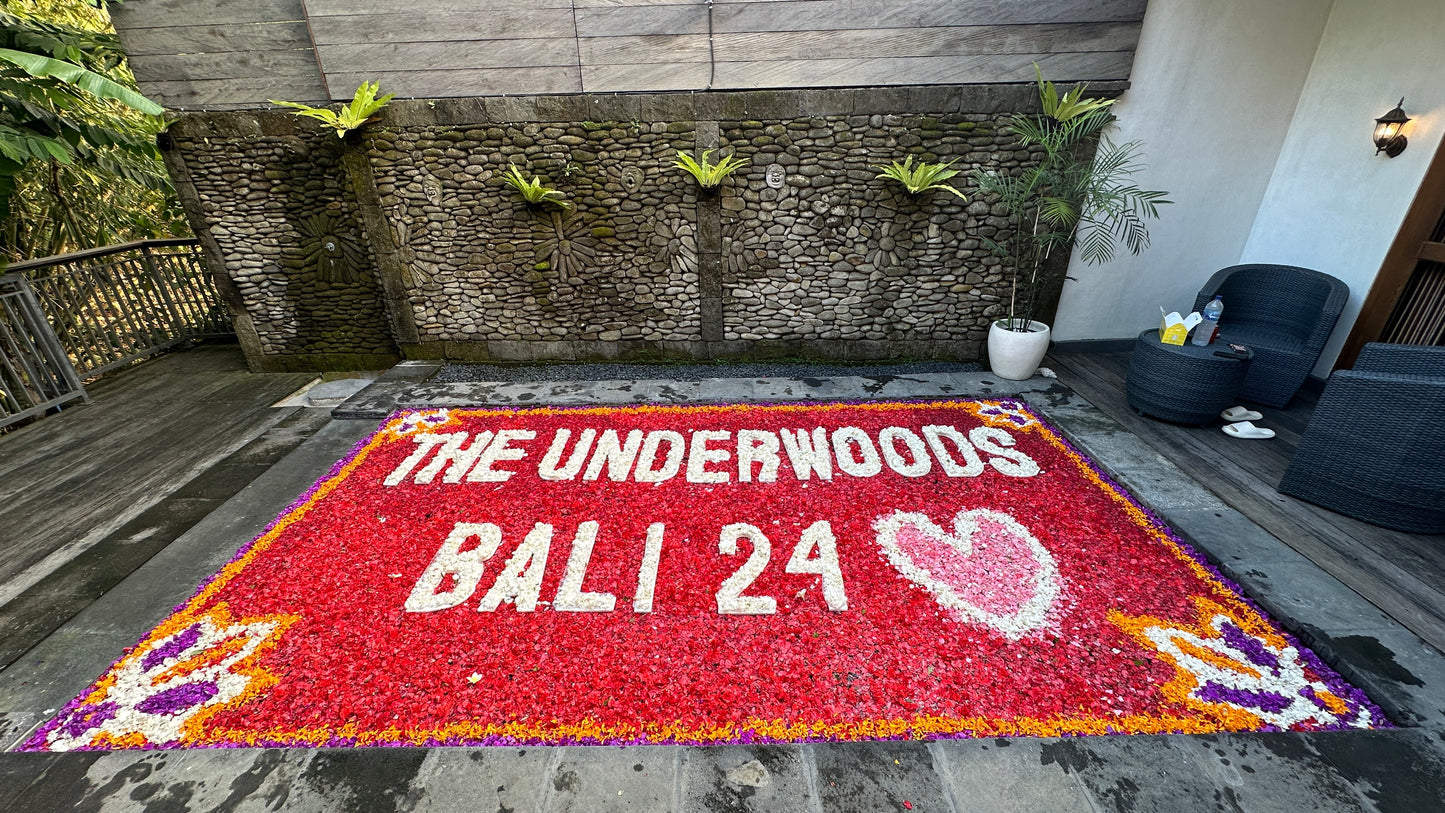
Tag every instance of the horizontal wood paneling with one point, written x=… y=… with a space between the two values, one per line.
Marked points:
x=229 y=94
x=518 y=23
x=613 y=3
x=440 y=56
x=491 y=47
x=833 y=15
x=481 y=82
x=659 y=76
x=626 y=21
x=244 y=65
x=608 y=51
x=341 y=8
x=233 y=53
x=911 y=42
x=209 y=39
x=181 y=13
x=919 y=70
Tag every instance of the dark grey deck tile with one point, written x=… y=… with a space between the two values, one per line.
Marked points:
x=870 y=777
x=763 y=778
x=585 y=779
x=1009 y=774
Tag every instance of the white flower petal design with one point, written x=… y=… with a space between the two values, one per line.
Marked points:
x=158 y=690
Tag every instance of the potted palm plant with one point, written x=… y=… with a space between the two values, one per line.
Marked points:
x=1077 y=194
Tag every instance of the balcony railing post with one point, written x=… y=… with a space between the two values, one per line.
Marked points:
x=178 y=322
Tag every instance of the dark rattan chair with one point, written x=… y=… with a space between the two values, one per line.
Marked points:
x=1374 y=448
x=1284 y=314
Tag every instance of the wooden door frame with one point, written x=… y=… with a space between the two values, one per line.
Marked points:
x=1399 y=261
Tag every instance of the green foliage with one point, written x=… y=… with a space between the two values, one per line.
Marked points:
x=925 y=177
x=1079 y=193
x=78 y=162
x=363 y=105
x=534 y=192
x=1069 y=106
x=708 y=174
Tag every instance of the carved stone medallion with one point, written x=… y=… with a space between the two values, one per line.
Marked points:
x=632 y=179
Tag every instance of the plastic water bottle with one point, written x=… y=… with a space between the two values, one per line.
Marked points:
x=1205 y=332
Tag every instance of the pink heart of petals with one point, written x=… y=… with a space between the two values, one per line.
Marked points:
x=990 y=570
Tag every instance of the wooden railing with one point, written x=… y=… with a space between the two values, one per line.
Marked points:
x=35 y=374
x=110 y=306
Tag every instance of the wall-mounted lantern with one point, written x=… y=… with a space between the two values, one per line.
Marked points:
x=1387 y=131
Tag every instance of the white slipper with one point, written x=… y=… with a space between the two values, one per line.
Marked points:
x=1245 y=429
x=1239 y=413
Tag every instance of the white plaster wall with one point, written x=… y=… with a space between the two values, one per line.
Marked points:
x=1333 y=205
x=1212 y=95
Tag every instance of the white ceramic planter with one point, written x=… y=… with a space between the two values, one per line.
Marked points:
x=1016 y=355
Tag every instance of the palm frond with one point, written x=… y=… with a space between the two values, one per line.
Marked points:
x=44 y=67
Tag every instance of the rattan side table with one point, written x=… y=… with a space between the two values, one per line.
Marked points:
x=1183 y=384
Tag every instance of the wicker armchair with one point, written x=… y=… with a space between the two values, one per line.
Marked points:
x=1375 y=447
x=1284 y=314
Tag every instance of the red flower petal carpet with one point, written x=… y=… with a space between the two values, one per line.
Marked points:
x=708 y=574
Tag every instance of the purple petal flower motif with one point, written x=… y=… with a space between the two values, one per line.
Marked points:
x=179 y=698
x=175 y=645
x=87 y=718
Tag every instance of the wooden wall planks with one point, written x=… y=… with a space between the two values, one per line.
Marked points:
x=247 y=52
x=220 y=53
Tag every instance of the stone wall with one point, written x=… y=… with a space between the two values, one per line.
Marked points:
x=408 y=241
x=483 y=266
x=274 y=211
x=830 y=251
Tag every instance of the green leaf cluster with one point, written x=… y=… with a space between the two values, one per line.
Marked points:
x=363 y=105
x=534 y=192
x=925 y=177
x=1077 y=194
x=78 y=162
x=708 y=175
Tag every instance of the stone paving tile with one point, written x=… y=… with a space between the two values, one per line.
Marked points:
x=1231 y=541
x=379 y=398
x=482 y=779
x=1402 y=673
x=1276 y=773
x=360 y=779
x=1303 y=592
x=16 y=725
x=881 y=776
x=1400 y=770
x=47 y=677
x=784 y=785
x=1163 y=492
x=1009 y=774
x=18 y=771
x=604 y=780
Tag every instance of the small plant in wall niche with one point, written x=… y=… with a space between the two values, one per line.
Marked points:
x=354 y=113
x=534 y=192
x=926 y=177
x=708 y=175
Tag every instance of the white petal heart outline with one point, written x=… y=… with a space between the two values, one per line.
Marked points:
x=1031 y=616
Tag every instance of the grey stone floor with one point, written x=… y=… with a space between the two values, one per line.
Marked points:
x=1393 y=770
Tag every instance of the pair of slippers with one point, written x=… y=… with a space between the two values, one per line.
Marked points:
x=1239 y=423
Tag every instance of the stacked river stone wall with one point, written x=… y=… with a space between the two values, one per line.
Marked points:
x=407 y=242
